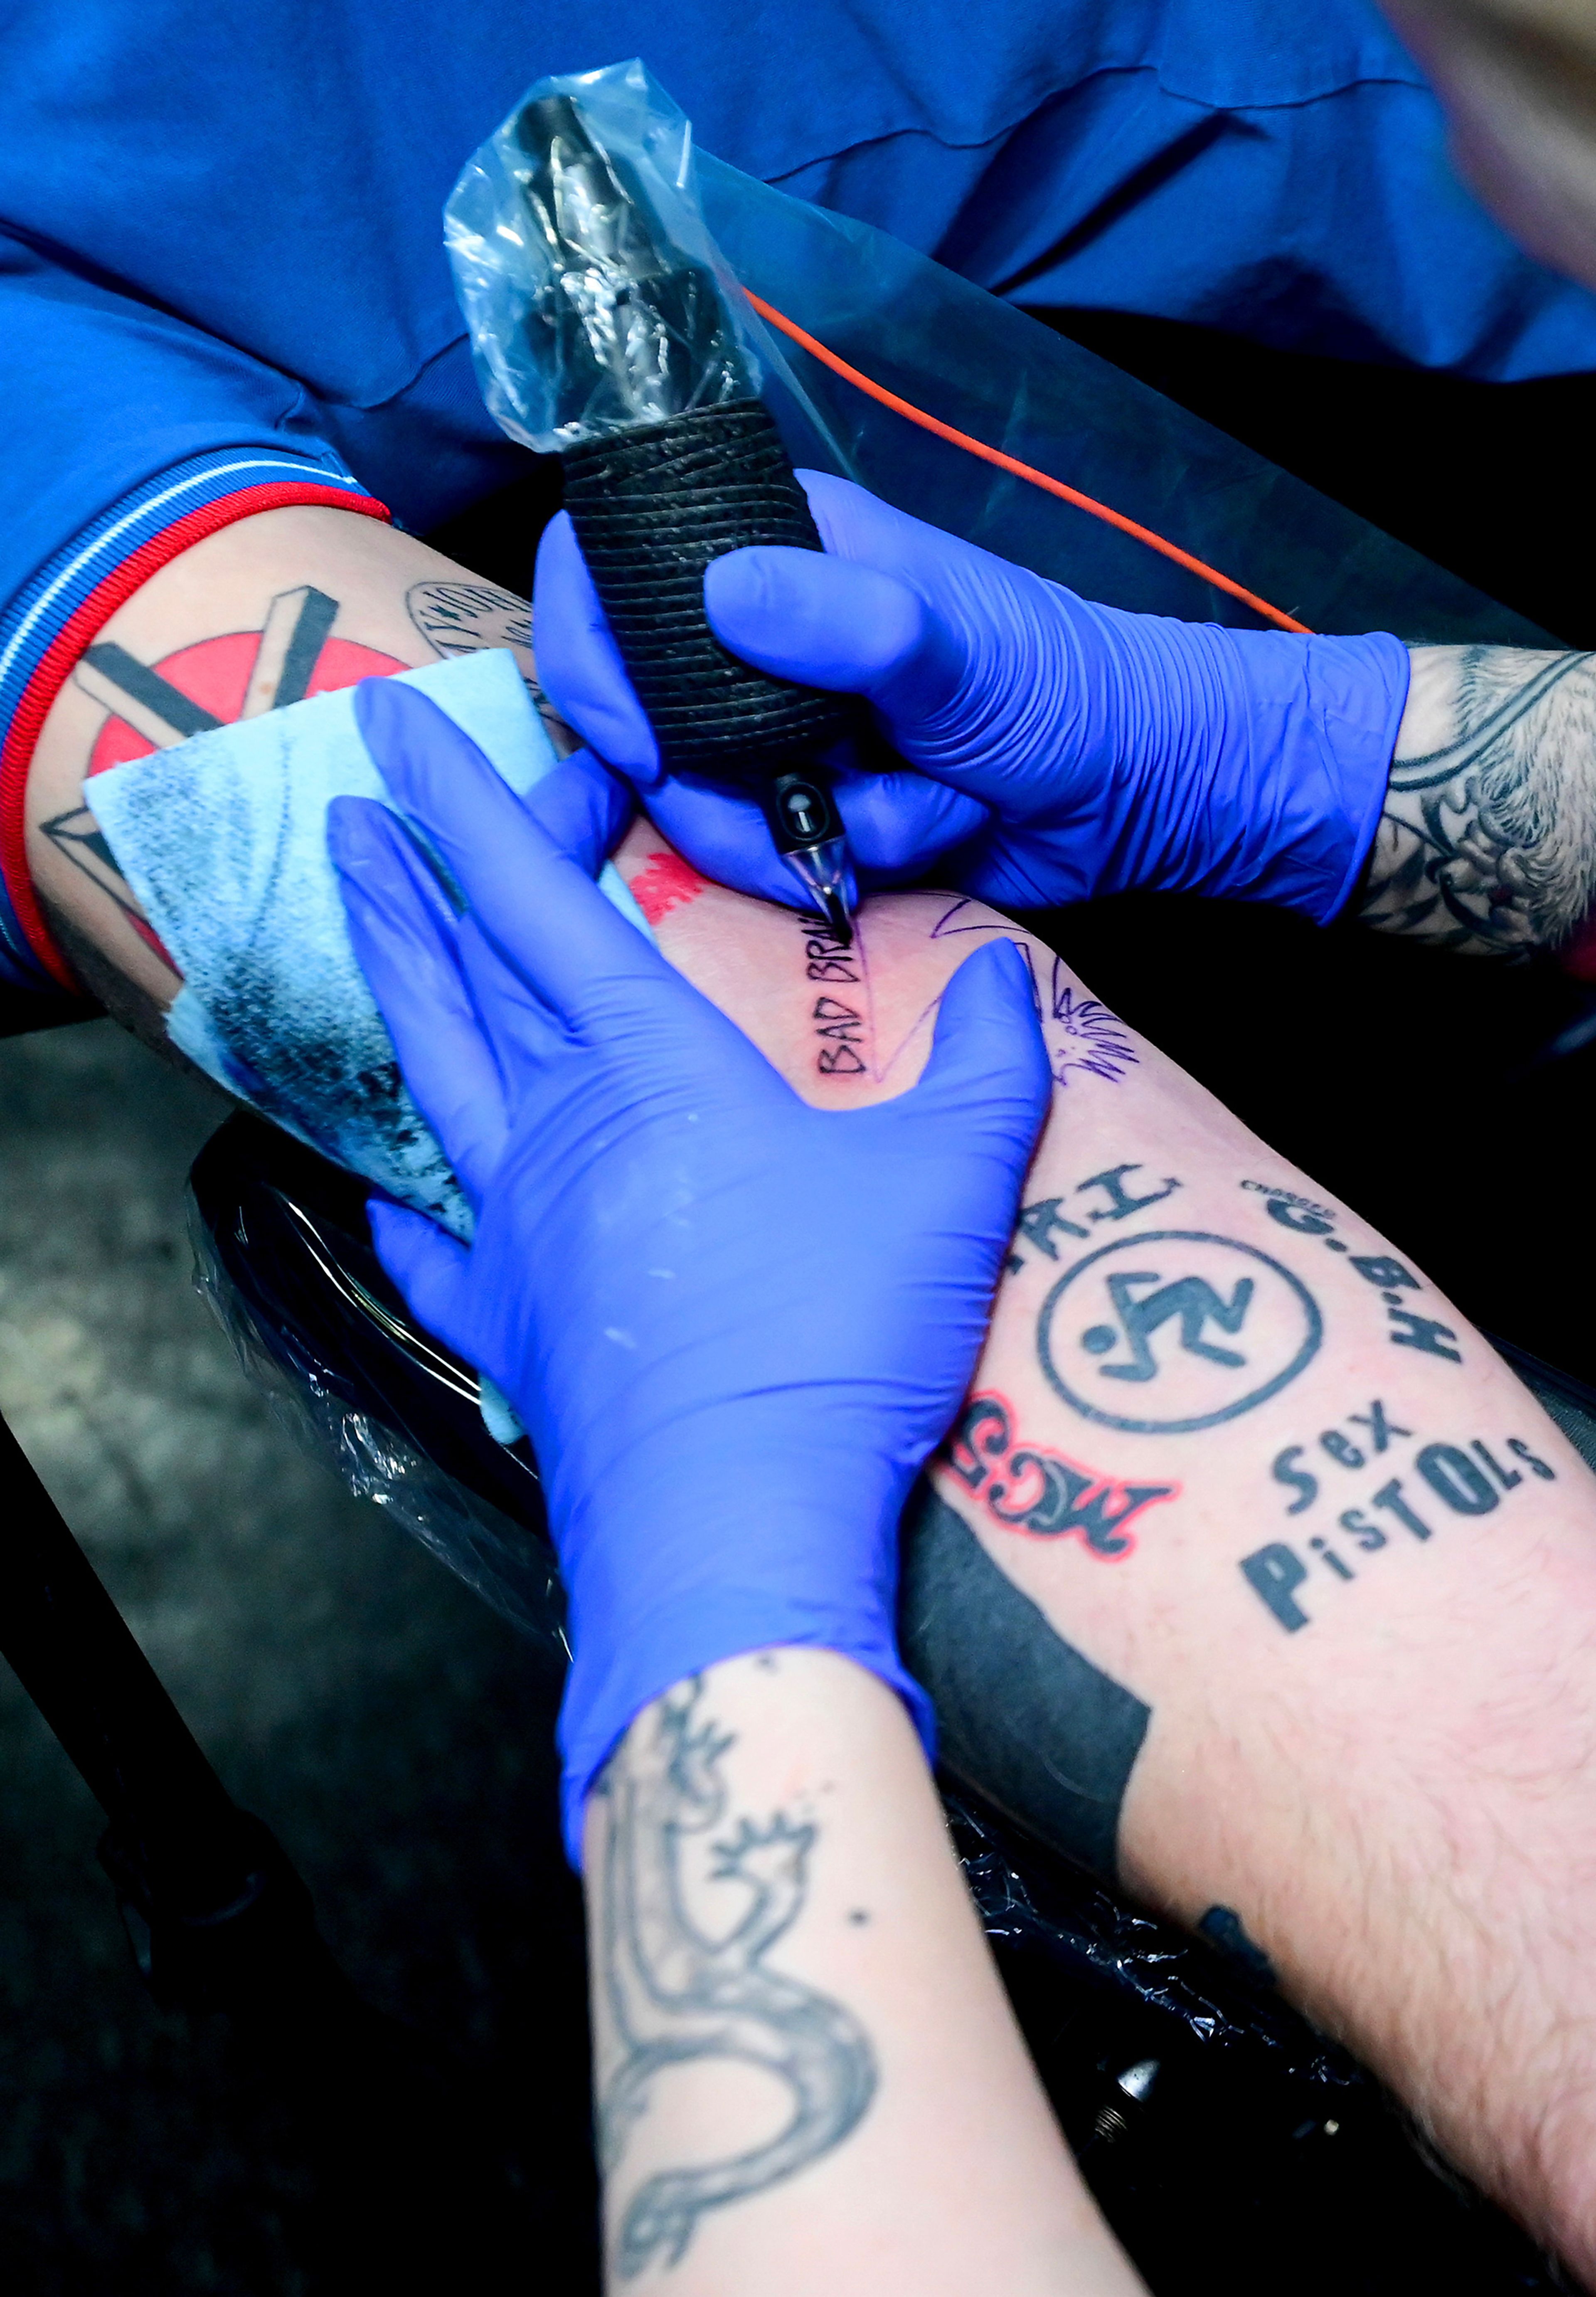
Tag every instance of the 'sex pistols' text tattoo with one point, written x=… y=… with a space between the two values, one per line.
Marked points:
x=1487 y=842
x=1174 y=1330
x=1467 y=1480
x=1389 y=1277
x=677 y=1995
x=1026 y=1487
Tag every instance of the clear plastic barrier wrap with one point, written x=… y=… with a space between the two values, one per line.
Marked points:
x=953 y=351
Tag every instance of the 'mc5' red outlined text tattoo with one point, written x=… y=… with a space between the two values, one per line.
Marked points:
x=1028 y=1488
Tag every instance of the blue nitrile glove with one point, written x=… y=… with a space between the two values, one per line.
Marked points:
x=1065 y=750
x=734 y=1326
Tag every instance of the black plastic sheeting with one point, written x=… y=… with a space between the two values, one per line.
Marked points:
x=1229 y=2143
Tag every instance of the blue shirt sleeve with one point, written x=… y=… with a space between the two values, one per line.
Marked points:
x=130 y=432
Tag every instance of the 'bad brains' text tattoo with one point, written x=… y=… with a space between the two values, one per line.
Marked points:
x=1389 y=1277
x=1190 y=1328
x=1466 y=1481
x=1487 y=842
x=679 y=1994
x=1028 y=1488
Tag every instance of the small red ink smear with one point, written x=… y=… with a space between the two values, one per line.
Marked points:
x=664 y=882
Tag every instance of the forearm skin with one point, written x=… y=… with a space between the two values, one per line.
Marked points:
x=1319 y=1660
x=772 y=1907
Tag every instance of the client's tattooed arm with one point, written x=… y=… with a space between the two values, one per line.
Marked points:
x=1249 y=1573
x=1487 y=843
x=289 y=604
x=805 y=2072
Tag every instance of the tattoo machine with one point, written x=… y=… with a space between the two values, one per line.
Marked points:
x=601 y=336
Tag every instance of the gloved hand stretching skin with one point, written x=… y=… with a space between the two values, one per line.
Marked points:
x=735 y=1326
x=1065 y=750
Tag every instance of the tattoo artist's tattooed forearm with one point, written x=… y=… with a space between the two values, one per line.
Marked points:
x=677 y=1995
x=1487 y=843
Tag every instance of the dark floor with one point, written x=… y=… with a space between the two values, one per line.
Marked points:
x=389 y=1727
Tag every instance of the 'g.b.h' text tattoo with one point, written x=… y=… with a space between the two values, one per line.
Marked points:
x=1391 y=1278
x=678 y=1995
x=1487 y=842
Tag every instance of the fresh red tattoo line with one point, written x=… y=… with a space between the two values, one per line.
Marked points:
x=664 y=882
x=1043 y=1494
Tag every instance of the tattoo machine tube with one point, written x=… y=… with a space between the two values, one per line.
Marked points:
x=603 y=333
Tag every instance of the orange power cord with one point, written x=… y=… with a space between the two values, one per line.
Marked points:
x=1019 y=470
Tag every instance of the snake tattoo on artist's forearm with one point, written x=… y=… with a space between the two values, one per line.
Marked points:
x=676 y=1995
x=1487 y=842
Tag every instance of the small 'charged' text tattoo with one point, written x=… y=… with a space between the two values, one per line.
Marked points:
x=1390 y=1278
x=1196 y=1328
x=1028 y=1488
x=1467 y=1480
x=1041 y=1223
x=678 y=1995
x=1487 y=842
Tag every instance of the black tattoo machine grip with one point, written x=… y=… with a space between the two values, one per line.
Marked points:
x=652 y=506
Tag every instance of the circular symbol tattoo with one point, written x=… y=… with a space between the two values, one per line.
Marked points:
x=1176 y=1330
